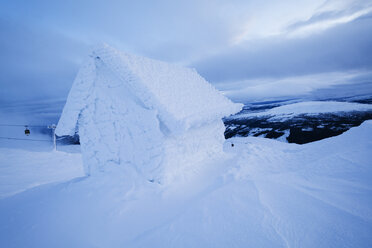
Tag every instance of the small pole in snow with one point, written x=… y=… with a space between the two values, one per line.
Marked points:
x=53 y=127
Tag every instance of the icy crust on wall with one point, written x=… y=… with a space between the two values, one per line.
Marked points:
x=161 y=120
x=77 y=98
x=182 y=97
x=116 y=130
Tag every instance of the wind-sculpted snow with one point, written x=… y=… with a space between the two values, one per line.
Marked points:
x=136 y=112
x=182 y=97
x=21 y=169
x=77 y=99
x=265 y=193
x=116 y=130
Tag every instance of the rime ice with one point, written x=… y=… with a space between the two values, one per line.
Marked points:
x=142 y=115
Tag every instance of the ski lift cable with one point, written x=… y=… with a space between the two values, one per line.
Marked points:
x=15 y=125
x=11 y=138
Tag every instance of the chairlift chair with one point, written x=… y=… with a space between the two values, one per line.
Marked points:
x=27 y=131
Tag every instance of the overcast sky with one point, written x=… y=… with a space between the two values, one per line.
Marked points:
x=251 y=49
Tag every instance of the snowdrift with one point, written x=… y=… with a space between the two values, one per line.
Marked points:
x=21 y=169
x=266 y=194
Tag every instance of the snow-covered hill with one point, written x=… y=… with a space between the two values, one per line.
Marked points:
x=297 y=122
x=308 y=108
x=264 y=193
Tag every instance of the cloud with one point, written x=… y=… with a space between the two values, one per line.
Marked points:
x=293 y=19
x=294 y=87
x=323 y=21
x=43 y=42
x=175 y=31
x=34 y=64
x=266 y=19
x=345 y=47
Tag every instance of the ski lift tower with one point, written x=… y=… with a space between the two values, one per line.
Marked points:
x=53 y=127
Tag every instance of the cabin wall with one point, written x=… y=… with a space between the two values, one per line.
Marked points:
x=130 y=139
x=116 y=131
x=138 y=114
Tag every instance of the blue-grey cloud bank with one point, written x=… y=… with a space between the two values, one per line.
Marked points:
x=245 y=48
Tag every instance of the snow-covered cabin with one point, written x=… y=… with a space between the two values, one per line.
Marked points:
x=155 y=118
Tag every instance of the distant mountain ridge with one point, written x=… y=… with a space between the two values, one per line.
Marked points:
x=299 y=122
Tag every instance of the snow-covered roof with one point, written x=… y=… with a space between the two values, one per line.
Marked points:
x=180 y=95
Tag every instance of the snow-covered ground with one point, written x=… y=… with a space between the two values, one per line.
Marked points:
x=22 y=169
x=297 y=122
x=264 y=193
x=308 y=108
